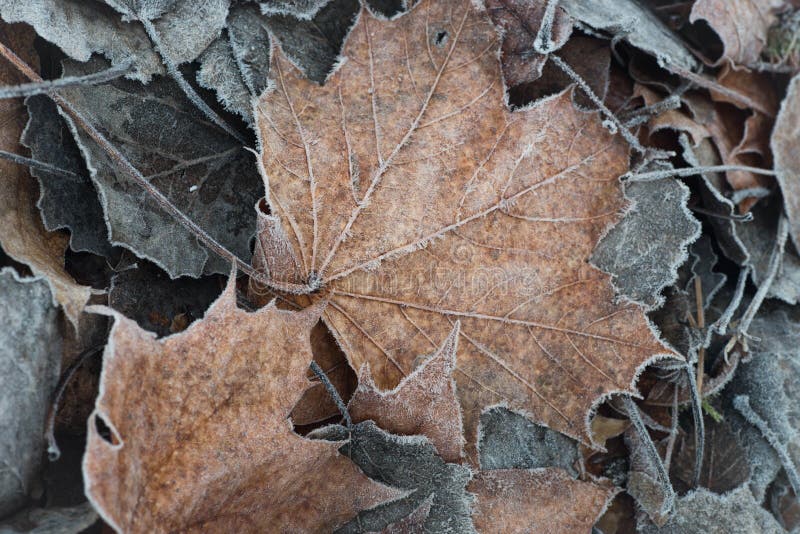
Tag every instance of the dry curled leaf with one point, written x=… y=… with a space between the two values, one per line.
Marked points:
x=741 y=25
x=412 y=198
x=787 y=160
x=537 y=500
x=199 y=436
x=424 y=402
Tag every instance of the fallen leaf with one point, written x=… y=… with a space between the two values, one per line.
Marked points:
x=441 y=205
x=643 y=480
x=411 y=464
x=68 y=202
x=705 y=512
x=305 y=9
x=30 y=356
x=199 y=436
x=61 y=520
x=423 y=403
x=509 y=440
x=81 y=28
x=787 y=160
x=741 y=26
x=643 y=251
x=634 y=23
x=537 y=500
x=316 y=405
x=204 y=172
x=725 y=466
x=518 y=23
x=769 y=380
x=24 y=238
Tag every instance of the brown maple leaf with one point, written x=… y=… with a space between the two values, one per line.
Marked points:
x=424 y=402
x=24 y=237
x=537 y=500
x=412 y=198
x=200 y=440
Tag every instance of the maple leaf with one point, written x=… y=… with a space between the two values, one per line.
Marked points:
x=537 y=500
x=24 y=237
x=412 y=198
x=424 y=402
x=200 y=440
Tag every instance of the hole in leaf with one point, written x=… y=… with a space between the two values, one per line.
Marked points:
x=440 y=39
x=104 y=431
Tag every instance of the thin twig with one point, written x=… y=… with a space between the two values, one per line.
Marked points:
x=673 y=432
x=53 y=452
x=699 y=424
x=772 y=271
x=655 y=458
x=701 y=324
x=742 y=404
x=581 y=83
x=127 y=168
x=187 y=89
x=735 y=217
x=36 y=164
x=48 y=86
x=721 y=325
x=331 y=389
x=691 y=171
x=712 y=85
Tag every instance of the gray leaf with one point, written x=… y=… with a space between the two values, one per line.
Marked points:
x=408 y=463
x=304 y=9
x=644 y=250
x=189 y=27
x=30 y=357
x=149 y=9
x=705 y=512
x=205 y=173
x=636 y=24
x=85 y=27
x=65 y=202
x=769 y=379
x=509 y=440
x=67 y=520
x=787 y=157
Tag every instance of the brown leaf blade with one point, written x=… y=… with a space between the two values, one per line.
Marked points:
x=200 y=437
x=420 y=200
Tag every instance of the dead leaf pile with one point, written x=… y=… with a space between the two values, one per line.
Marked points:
x=492 y=266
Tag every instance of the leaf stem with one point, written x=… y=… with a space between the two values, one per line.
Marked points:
x=691 y=171
x=47 y=86
x=36 y=164
x=331 y=389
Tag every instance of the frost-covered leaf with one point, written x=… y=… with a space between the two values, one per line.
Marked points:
x=409 y=463
x=741 y=26
x=725 y=465
x=199 y=435
x=428 y=202
x=30 y=358
x=61 y=520
x=299 y=8
x=204 y=172
x=644 y=250
x=423 y=403
x=148 y=9
x=509 y=440
x=703 y=261
x=518 y=501
x=787 y=157
x=634 y=23
x=315 y=45
x=770 y=382
x=705 y=512
x=23 y=237
x=66 y=201
x=643 y=481
x=518 y=23
x=158 y=303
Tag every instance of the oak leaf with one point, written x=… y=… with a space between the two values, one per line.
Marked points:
x=537 y=500
x=411 y=198
x=200 y=440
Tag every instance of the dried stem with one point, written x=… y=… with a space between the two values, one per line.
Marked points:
x=655 y=458
x=187 y=89
x=48 y=86
x=673 y=432
x=699 y=424
x=331 y=389
x=721 y=325
x=53 y=452
x=701 y=324
x=36 y=164
x=127 y=168
x=691 y=171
